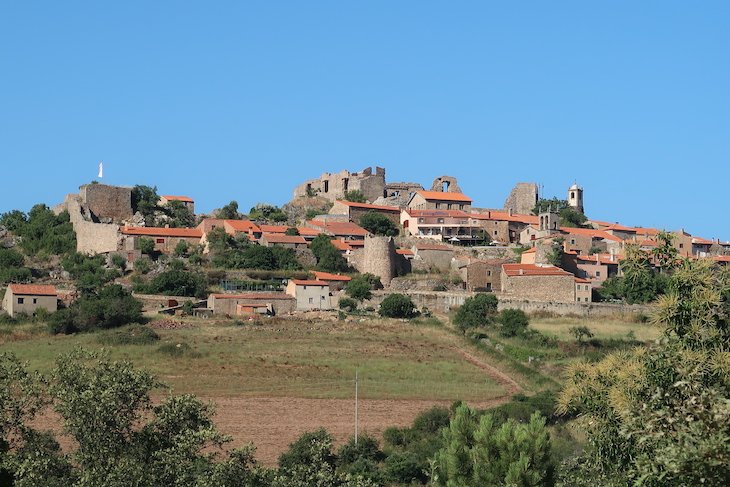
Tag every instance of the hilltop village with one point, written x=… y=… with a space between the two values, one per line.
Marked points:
x=432 y=244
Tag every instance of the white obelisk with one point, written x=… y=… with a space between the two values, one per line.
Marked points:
x=101 y=169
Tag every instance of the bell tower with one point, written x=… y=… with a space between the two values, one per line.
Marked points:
x=575 y=197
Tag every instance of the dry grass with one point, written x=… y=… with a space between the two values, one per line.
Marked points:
x=602 y=328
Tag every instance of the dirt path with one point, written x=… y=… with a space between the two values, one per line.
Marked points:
x=511 y=387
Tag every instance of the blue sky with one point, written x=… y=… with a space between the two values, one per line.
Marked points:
x=244 y=100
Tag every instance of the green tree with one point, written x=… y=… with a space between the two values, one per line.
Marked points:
x=176 y=282
x=229 y=212
x=569 y=217
x=291 y=231
x=360 y=286
x=182 y=248
x=665 y=253
x=348 y=304
x=11 y=266
x=329 y=259
x=479 y=310
x=145 y=200
x=397 y=306
x=266 y=212
x=378 y=224
x=42 y=231
x=659 y=417
x=355 y=196
x=89 y=271
x=514 y=322
x=111 y=307
x=179 y=215
x=146 y=245
x=478 y=451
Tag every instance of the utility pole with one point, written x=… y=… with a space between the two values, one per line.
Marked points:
x=356 y=411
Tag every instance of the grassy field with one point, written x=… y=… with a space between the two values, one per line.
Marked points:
x=602 y=328
x=287 y=358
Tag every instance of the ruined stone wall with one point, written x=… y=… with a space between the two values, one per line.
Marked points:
x=334 y=186
x=435 y=259
x=557 y=289
x=91 y=237
x=484 y=276
x=446 y=183
x=105 y=201
x=398 y=194
x=357 y=213
x=522 y=199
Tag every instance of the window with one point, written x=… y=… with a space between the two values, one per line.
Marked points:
x=438 y=205
x=311 y=300
x=35 y=301
x=572 y=241
x=681 y=246
x=489 y=273
x=598 y=273
x=160 y=240
x=21 y=300
x=495 y=233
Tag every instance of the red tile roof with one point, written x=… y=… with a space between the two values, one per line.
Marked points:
x=702 y=241
x=253 y=296
x=533 y=270
x=403 y=251
x=581 y=280
x=33 y=289
x=432 y=247
x=307 y=232
x=437 y=213
x=599 y=259
x=308 y=282
x=184 y=199
x=163 y=232
x=369 y=206
x=283 y=239
x=340 y=245
x=620 y=228
x=444 y=196
x=245 y=226
x=590 y=232
x=722 y=258
x=339 y=228
x=648 y=232
x=273 y=228
x=326 y=276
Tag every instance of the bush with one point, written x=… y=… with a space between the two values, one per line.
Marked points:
x=130 y=335
x=397 y=306
x=182 y=248
x=348 y=304
x=119 y=261
x=379 y=224
x=329 y=259
x=146 y=245
x=112 y=307
x=476 y=311
x=143 y=265
x=514 y=322
x=360 y=286
x=41 y=230
x=175 y=282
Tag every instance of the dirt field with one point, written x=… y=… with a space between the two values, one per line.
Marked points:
x=273 y=423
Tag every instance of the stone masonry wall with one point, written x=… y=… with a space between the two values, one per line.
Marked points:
x=560 y=289
x=91 y=238
x=523 y=198
x=105 y=201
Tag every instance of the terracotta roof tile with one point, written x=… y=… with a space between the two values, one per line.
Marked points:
x=403 y=251
x=273 y=228
x=590 y=232
x=184 y=199
x=369 y=206
x=241 y=226
x=283 y=239
x=163 y=232
x=33 y=289
x=326 y=276
x=308 y=282
x=340 y=245
x=533 y=270
x=444 y=196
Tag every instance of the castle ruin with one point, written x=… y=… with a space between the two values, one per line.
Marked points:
x=522 y=199
x=334 y=186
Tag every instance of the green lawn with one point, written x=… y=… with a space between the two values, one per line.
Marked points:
x=281 y=358
x=602 y=328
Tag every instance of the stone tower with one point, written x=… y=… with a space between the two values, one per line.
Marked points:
x=522 y=199
x=575 y=197
x=549 y=220
x=379 y=258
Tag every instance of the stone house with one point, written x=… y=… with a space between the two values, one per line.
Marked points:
x=310 y=294
x=582 y=240
x=355 y=211
x=251 y=303
x=242 y=227
x=165 y=239
x=286 y=241
x=482 y=275
x=538 y=283
x=29 y=298
x=504 y=226
x=439 y=200
x=597 y=267
x=342 y=230
x=683 y=243
x=583 y=290
x=185 y=200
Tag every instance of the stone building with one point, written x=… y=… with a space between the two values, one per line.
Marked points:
x=336 y=282
x=334 y=186
x=575 y=198
x=29 y=298
x=597 y=267
x=355 y=211
x=286 y=241
x=378 y=257
x=165 y=239
x=523 y=198
x=343 y=230
x=187 y=202
x=309 y=294
x=483 y=275
x=432 y=257
x=113 y=203
x=442 y=225
x=251 y=303
x=538 y=283
x=445 y=184
x=398 y=194
x=503 y=226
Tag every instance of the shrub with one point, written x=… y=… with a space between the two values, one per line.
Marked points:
x=142 y=265
x=360 y=287
x=175 y=282
x=348 y=304
x=119 y=261
x=514 y=322
x=113 y=306
x=379 y=224
x=356 y=196
x=130 y=335
x=476 y=311
x=146 y=245
x=182 y=248
x=41 y=231
x=397 y=306
x=188 y=308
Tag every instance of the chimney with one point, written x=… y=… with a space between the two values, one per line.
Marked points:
x=509 y=211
